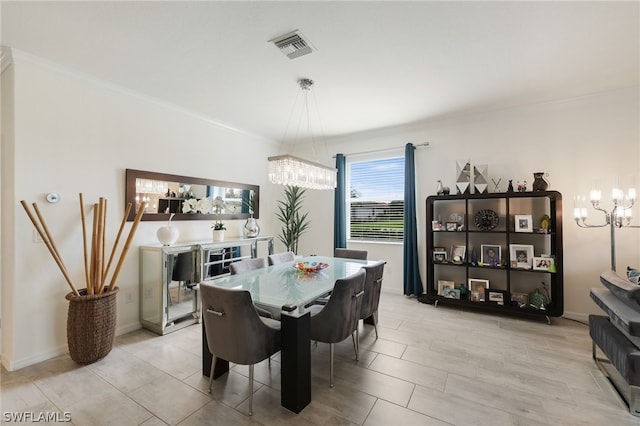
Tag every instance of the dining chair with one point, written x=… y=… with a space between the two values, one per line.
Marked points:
x=371 y=297
x=250 y=265
x=182 y=271
x=335 y=321
x=235 y=332
x=350 y=253
x=277 y=258
x=247 y=265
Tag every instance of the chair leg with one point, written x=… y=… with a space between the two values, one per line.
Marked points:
x=375 y=322
x=251 y=390
x=330 y=365
x=356 y=342
x=213 y=365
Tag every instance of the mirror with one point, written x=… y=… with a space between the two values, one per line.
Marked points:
x=189 y=198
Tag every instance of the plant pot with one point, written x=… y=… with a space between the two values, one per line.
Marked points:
x=218 y=235
x=91 y=325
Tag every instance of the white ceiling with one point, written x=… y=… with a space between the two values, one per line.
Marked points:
x=377 y=64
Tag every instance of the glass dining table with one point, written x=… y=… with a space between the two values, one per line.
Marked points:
x=287 y=290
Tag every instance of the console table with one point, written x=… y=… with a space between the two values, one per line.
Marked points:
x=169 y=277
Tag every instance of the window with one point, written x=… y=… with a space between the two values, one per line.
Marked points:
x=375 y=202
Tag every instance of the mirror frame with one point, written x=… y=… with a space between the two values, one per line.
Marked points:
x=130 y=196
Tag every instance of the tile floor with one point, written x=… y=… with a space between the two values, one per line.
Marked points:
x=430 y=366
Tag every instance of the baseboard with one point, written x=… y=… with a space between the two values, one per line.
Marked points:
x=577 y=316
x=12 y=365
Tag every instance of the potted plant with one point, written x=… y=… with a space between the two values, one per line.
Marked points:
x=218 y=226
x=91 y=318
x=295 y=223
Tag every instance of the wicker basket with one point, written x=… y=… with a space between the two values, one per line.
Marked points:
x=91 y=325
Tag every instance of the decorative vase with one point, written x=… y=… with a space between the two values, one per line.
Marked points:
x=91 y=325
x=218 y=235
x=539 y=182
x=251 y=228
x=167 y=235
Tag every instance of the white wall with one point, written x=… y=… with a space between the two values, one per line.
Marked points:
x=74 y=134
x=574 y=140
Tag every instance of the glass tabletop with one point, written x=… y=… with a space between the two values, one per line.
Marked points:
x=284 y=284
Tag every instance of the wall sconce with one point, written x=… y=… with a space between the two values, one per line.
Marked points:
x=619 y=216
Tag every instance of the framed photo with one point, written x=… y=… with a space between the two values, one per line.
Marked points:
x=439 y=256
x=444 y=285
x=497 y=297
x=490 y=254
x=522 y=255
x=457 y=254
x=475 y=296
x=452 y=226
x=436 y=226
x=452 y=293
x=523 y=222
x=478 y=286
x=520 y=299
x=542 y=263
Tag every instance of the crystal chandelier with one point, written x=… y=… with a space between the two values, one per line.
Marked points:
x=294 y=171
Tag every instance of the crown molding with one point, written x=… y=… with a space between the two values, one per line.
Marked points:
x=19 y=56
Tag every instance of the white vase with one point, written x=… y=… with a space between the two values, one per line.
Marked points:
x=167 y=235
x=218 y=235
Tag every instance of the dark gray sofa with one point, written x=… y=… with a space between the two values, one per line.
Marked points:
x=617 y=335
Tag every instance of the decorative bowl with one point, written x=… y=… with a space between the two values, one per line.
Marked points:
x=310 y=266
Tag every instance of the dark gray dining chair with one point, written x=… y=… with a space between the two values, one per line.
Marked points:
x=182 y=272
x=235 y=332
x=371 y=298
x=277 y=258
x=350 y=253
x=335 y=321
x=247 y=265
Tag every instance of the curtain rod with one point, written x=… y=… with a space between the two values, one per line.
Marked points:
x=420 y=145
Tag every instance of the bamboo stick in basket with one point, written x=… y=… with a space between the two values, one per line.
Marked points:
x=123 y=254
x=117 y=240
x=84 y=241
x=50 y=245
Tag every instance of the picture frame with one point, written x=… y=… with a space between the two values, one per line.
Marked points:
x=439 y=256
x=520 y=299
x=443 y=285
x=542 y=263
x=490 y=254
x=522 y=255
x=457 y=254
x=478 y=285
x=452 y=293
x=474 y=296
x=497 y=297
x=452 y=226
x=436 y=225
x=523 y=223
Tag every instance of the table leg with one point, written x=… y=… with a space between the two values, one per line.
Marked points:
x=222 y=366
x=295 y=366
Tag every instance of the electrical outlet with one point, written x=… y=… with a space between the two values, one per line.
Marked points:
x=36 y=237
x=128 y=297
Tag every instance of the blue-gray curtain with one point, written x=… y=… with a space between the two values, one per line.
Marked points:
x=411 y=270
x=339 y=215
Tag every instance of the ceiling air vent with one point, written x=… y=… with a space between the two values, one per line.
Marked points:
x=293 y=44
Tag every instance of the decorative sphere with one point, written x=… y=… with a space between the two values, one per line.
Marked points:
x=167 y=235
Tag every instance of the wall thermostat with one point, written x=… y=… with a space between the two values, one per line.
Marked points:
x=53 y=197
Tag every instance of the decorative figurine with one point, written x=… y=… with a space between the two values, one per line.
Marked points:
x=510 y=187
x=439 y=188
x=539 y=182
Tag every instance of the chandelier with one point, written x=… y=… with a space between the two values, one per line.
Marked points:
x=294 y=171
